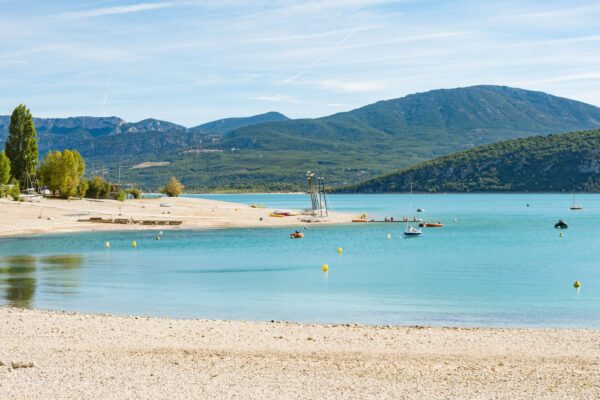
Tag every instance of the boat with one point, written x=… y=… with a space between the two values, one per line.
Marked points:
x=296 y=235
x=431 y=224
x=575 y=206
x=561 y=224
x=276 y=215
x=420 y=210
x=410 y=230
x=284 y=213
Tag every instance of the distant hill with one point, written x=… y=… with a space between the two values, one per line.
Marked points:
x=224 y=126
x=554 y=163
x=426 y=124
x=100 y=137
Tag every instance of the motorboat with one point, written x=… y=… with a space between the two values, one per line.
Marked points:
x=561 y=224
x=431 y=224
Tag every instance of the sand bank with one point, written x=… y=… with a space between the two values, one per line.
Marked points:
x=54 y=215
x=100 y=356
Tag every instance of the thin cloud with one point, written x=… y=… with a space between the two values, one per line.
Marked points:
x=276 y=98
x=99 y=12
x=560 y=13
x=557 y=79
x=353 y=87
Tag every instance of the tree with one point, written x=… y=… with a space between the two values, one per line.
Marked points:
x=21 y=144
x=98 y=188
x=173 y=188
x=121 y=196
x=62 y=171
x=4 y=172
x=82 y=188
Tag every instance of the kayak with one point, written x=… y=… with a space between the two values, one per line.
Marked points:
x=298 y=235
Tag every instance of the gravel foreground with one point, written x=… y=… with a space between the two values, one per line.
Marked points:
x=59 y=355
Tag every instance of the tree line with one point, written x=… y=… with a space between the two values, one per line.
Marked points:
x=60 y=172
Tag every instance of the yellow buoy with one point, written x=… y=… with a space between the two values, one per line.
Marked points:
x=107 y=245
x=577 y=284
x=325 y=267
x=134 y=244
x=340 y=250
x=389 y=236
x=560 y=234
x=158 y=238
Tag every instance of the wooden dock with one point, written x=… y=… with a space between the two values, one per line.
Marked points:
x=131 y=221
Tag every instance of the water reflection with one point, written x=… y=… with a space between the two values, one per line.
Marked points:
x=61 y=272
x=20 y=276
x=17 y=280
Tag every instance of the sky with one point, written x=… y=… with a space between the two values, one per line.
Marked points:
x=194 y=61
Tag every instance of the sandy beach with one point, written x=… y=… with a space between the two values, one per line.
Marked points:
x=48 y=354
x=55 y=215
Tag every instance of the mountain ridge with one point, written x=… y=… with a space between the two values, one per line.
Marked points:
x=553 y=163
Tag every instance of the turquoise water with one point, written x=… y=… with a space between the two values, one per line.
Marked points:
x=500 y=263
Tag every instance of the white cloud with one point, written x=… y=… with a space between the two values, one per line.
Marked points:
x=276 y=98
x=99 y=12
x=354 y=87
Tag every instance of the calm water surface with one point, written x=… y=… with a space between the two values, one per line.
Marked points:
x=501 y=263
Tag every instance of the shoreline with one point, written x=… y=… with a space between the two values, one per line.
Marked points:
x=56 y=354
x=63 y=216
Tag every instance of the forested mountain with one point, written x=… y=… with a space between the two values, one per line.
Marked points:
x=224 y=126
x=430 y=123
x=112 y=137
x=554 y=163
x=247 y=153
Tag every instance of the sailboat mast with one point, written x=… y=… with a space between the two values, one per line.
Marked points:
x=409 y=206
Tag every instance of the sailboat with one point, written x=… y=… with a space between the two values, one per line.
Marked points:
x=575 y=206
x=411 y=231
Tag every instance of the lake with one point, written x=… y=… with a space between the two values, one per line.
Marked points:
x=498 y=262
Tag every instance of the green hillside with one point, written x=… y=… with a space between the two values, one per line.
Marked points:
x=426 y=124
x=554 y=163
x=226 y=125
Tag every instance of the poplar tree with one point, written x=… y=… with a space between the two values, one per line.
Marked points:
x=21 y=145
x=61 y=172
x=4 y=173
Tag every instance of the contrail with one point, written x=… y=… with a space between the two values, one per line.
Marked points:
x=106 y=94
x=319 y=59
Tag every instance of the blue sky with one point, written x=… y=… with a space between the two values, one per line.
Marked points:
x=191 y=62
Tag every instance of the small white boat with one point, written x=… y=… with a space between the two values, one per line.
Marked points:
x=411 y=231
x=575 y=206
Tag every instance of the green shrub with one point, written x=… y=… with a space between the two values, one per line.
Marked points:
x=15 y=192
x=135 y=193
x=121 y=195
x=173 y=188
